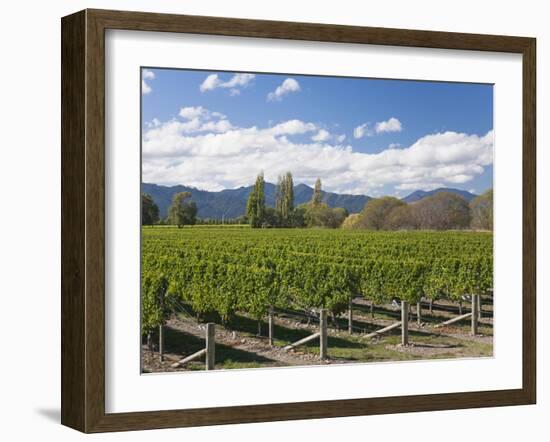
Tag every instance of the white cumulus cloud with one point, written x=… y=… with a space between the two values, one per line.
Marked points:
x=213 y=81
x=365 y=129
x=239 y=80
x=392 y=125
x=322 y=135
x=195 y=119
x=208 y=152
x=325 y=135
x=192 y=112
x=288 y=86
x=145 y=76
x=291 y=127
x=362 y=130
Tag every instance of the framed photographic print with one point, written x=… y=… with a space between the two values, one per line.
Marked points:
x=267 y=221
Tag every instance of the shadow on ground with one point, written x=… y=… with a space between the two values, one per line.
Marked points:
x=182 y=343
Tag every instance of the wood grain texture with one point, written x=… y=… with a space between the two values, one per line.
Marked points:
x=73 y=254
x=144 y=21
x=95 y=221
x=529 y=220
x=83 y=219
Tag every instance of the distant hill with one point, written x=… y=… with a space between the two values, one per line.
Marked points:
x=421 y=194
x=231 y=203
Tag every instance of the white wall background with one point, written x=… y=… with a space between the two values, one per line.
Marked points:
x=30 y=215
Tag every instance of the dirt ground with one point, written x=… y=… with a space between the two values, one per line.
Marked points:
x=238 y=344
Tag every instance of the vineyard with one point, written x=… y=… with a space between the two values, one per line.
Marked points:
x=223 y=273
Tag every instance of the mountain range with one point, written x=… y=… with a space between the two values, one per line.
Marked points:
x=417 y=195
x=231 y=203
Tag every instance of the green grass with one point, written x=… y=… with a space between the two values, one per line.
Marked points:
x=197 y=226
x=227 y=364
x=342 y=347
x=382 y=351
x=360 y=349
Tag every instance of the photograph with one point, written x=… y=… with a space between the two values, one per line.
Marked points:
x=294 y=220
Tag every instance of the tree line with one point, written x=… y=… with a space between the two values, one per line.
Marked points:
x=182 y=211
x=442 y=211
x=314 y=213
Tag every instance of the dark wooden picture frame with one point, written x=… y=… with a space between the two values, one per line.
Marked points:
x=83 y=220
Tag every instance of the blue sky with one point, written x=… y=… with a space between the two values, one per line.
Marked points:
x=215 y=130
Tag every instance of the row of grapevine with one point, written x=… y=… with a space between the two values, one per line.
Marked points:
x=228 y=270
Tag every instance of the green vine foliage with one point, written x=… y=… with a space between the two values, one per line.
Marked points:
x=226 y=270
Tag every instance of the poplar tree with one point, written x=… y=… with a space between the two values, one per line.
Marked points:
x=284 y=203
x=260 y=197
x=289 y=194
x=255 y=206
x=279 y=199
x=317 y=198
x=251 y=208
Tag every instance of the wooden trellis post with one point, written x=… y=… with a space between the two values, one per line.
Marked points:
x=475 y=314
x=210 y=346
x=453 y=320
x=302 y=341
x=383 y=330
x=350 y=316
x=271 y=325
x=161 y=342
x=479 y=306
x=209 y=350
x=323 y=334
x=161 y=328
x=404 y=323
